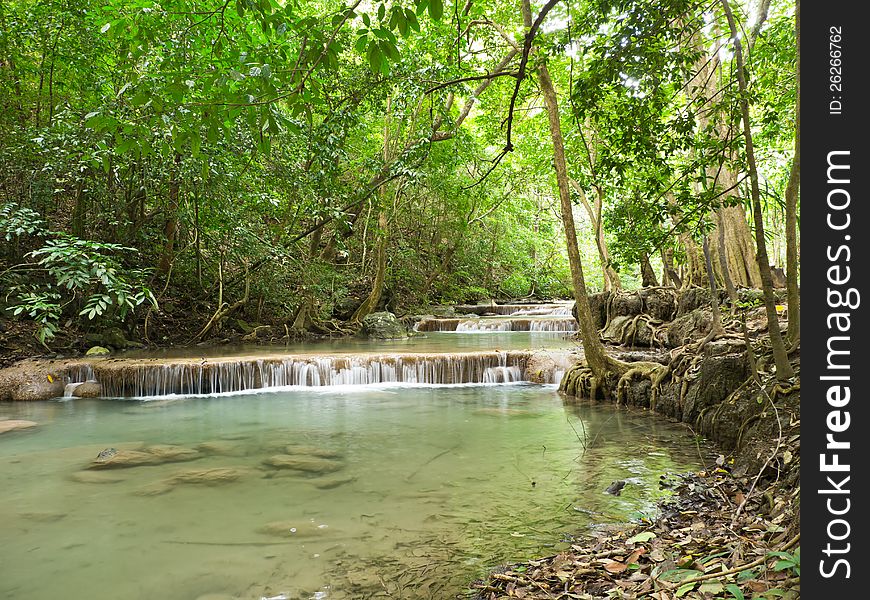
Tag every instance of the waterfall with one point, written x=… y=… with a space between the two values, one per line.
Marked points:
x=495 y=324
x=561 y=309
x=131 y=378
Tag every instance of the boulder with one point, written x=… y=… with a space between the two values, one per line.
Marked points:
x=307 y=464
x=31 y=380
x=210 y=477
x=383 y=326
x=312 y=451
x=88 y=389
x=689 y=327
x=112 y=458
x=15 y=424
x=329 y=483
x=97 y=351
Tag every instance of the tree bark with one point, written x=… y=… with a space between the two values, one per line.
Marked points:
x=648 y=276
x=611 y=277
x=784 y=370
x=791 y=197
x=593 y=349
x=170 y=228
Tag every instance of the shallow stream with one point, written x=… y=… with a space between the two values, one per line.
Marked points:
x=352 y=491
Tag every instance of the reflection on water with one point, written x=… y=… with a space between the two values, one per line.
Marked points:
x=352 y=493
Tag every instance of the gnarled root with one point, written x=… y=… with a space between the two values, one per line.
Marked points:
x=654 y=371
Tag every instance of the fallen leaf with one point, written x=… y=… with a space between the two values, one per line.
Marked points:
x=643 y=536
x=615 y=567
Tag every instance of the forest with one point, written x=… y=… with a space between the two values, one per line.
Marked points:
x=168 y=166
x=552 y=244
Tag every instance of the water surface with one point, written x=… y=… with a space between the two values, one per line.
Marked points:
x=433 y=485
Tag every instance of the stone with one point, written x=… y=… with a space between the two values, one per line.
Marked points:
x=170 y=453
x=312 y=451
x=112 y=458
x=615 y=488
x=31 y=380
x=210 y=477
x=221 y=448
x=383 y=326
x=114 y=337
x=16 y=424
x=97 y=351
x=692 y=326
x=329 y=483
x=307 y=464
x=88 y=389
x=123 y=459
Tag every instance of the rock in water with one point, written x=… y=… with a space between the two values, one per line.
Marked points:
x=312 y=451
x=308 y=464
x=97 y=351
x=88 y=389
x=383 y=326
x=13 y=424
x=152 y=455
x=615 y=488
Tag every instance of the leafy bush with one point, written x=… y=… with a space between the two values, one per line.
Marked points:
x=68 y=273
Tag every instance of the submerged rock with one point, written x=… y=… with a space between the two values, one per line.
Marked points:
x=152 y=455
x=221 y=448
x=615 y=488
x=308 y=464
x=329 y=483
x=15 y=424
x=210 y=477
x=312 y=451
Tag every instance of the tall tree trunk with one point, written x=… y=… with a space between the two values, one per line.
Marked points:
x=610 y=276
x=170 y=228
x=669 y=275
x=784 y=370
x=738 y=248
x=647 y=275
x=723 y=263
x=791 y=197
x=370 y=304
x=593 y=349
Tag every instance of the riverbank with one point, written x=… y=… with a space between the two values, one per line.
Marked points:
x=731 y=530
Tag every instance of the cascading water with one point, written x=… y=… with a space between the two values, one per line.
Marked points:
x=136 y=379
x=496 y=324
x=554 y=309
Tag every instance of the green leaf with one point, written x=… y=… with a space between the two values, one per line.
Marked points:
x=361 y=43
x=735 y=591
x=436 y=9
x=643 y=536
x=374 y=57
x=390 y=51
x=685 y=589
x=412 y=20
